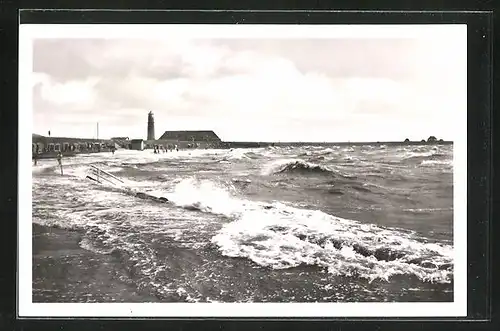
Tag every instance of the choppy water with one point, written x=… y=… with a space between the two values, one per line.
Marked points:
x=366 y=223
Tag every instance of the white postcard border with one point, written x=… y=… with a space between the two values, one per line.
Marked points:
x=26 y=308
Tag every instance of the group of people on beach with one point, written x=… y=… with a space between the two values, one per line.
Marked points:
x=58 y=157
x=158 y=148
x=59 y=160
x=113 y=149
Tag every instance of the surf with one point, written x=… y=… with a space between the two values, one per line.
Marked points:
x=278 y=236
x=283 y=237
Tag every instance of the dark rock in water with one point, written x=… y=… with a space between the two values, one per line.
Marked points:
x=431 y=139
x=407 y=140
x=162 y=199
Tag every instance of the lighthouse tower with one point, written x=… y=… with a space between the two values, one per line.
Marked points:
x=151 y=126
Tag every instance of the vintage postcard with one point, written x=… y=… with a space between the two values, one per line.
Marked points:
x=243 y=170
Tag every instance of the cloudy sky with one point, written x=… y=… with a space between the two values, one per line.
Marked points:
x=251 y=89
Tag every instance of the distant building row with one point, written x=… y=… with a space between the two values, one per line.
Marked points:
x=41 y=144
x=170 y=139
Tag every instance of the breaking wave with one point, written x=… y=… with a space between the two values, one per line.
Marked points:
x=282 y=237
x=299 y=167
x=279 y=236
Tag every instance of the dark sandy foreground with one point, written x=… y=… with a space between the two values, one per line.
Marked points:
x=65 y=272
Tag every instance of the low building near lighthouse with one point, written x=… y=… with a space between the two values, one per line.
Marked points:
x=196 y=136
x=137 y=144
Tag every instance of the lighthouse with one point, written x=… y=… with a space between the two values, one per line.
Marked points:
x=151 y=126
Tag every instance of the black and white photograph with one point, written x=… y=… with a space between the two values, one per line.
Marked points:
x=240 y=170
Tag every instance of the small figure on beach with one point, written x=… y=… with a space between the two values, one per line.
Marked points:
x=35 y=153
x=59 y=160
x=113 y=148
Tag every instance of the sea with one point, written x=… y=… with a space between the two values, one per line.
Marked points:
x=369 y=223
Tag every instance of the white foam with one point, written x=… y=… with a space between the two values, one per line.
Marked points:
x=86 y=244
x=284 y=237
x=423 y=151
x=206 y=196
x=436 y=162
x=238 y=154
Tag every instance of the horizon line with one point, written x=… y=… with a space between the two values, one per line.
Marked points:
x=273 y=142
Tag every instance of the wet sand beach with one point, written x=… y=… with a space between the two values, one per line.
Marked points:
x=65 y=272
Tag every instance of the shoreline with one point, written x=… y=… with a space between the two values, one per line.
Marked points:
x=65 y=272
